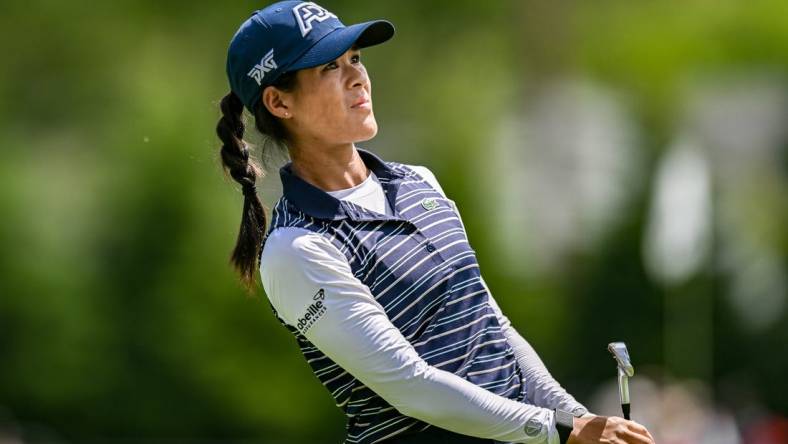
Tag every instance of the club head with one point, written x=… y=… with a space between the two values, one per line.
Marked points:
x=621 y=355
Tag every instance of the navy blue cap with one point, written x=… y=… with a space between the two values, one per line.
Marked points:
x=288 y=36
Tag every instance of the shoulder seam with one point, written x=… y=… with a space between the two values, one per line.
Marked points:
x=401 y=167
x=307 y=232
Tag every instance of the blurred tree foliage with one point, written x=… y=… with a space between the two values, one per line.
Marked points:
x=119 y=313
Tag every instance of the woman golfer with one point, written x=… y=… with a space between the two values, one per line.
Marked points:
x=366 y=262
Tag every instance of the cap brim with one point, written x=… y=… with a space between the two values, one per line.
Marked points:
x=335 y=43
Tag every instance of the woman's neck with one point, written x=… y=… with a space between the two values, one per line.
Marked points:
x=329 y=168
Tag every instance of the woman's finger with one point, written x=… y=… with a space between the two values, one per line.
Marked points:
x=639 y=429
x=631 y=437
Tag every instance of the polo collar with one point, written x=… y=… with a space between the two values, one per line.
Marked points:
x=321 y=205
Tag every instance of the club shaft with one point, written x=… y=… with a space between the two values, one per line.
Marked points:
x=623 y=392
x=623 y=387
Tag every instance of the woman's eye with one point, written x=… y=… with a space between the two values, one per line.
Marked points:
x=356 y=58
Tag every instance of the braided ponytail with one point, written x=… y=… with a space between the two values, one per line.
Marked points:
x=235 y=161
x=245 y=171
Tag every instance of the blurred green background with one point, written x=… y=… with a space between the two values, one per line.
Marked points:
x=621 y=168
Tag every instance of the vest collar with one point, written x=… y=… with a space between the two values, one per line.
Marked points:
x=321 y=205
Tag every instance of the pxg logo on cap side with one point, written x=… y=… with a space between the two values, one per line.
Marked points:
x=267 y=63
x=308 y=12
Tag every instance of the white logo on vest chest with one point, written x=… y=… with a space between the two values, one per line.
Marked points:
x=430 y=203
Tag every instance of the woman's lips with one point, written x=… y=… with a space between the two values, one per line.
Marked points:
x=361 y=103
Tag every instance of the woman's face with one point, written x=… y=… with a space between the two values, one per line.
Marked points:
x=332 y=103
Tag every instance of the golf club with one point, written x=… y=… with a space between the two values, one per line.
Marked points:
x=625 y=371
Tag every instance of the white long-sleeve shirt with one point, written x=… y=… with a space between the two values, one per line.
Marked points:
x=355 y=332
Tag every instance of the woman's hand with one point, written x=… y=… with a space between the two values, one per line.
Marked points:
x=608 y=430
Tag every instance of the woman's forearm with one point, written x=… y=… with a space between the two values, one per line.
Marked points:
x=541 y=388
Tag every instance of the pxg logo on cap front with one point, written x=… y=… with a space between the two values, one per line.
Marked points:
x=308 y=12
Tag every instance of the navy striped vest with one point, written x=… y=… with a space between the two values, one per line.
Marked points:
x=420 y=268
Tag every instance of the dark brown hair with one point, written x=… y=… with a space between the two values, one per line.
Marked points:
x=245 y=170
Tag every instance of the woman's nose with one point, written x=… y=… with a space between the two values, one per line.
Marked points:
x=357 y=76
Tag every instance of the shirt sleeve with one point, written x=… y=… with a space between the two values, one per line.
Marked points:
x=541 y=388
x=429 y=177
x=300 y=268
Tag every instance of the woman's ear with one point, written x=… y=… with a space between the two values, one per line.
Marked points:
x=276 y=101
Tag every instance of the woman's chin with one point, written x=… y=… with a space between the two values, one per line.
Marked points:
x=369 y=130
